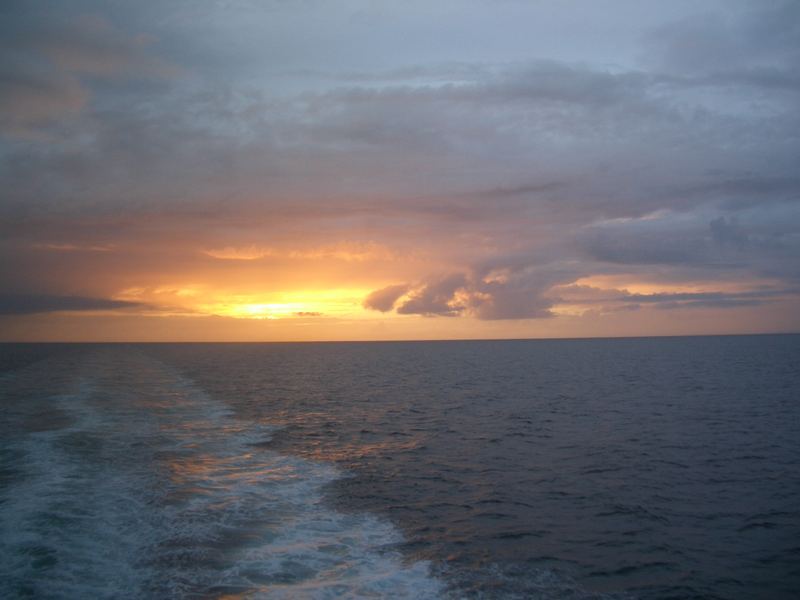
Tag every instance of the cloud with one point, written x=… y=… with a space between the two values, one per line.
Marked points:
x=614 y=299
x=726 y=231
x=622 y=246
x=346 y=251
x=707 y=299
x=26 y=304
x=742 y=192
x=436 y=298
x=510 y=293
x=32 y=93
x=384 y=299
x=762 y=35
x=711 y=242
x=91 y=45
x=48 y=62
x=67 y=247
x=511 y=301
x=486 y=183
x=240 y=253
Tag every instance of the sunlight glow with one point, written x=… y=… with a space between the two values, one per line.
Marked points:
x=300 y=304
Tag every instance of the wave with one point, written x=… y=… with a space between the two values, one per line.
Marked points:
x=154 y=489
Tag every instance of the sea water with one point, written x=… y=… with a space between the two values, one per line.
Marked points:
x=630 y=468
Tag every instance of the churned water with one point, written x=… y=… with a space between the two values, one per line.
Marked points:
x=630 y=468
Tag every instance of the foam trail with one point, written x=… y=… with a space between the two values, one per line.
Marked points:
x=150 y=488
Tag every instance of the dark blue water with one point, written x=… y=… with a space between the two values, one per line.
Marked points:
x=631 y=468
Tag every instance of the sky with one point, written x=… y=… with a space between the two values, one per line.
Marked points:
x=284 y=170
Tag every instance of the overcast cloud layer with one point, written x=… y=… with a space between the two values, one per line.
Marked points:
x=474 y=160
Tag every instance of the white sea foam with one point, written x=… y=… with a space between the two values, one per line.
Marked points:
x=154 y=489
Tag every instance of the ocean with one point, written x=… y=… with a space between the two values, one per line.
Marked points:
x=647 y=468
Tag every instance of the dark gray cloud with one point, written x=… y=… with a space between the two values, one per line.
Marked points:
x=741 y=192
x=384 y=299
x=752 y=35
x=49 y=64
x=436 y=297
x=511 y=292
x=34 y=93
x=707 y=299
x=511 y=301
x=631 y=247
x=727 y=231
x=26 y=304
x=760 y=241
x=610 y=300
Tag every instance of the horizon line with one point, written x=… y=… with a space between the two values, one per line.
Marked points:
x=421 y=340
